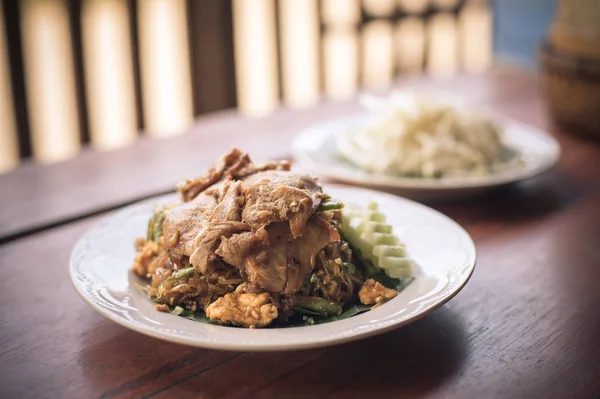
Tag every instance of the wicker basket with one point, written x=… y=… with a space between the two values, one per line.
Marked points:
x=576 y=28
x=572 y=86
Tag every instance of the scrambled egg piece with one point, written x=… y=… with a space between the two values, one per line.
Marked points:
x=372 y=293
x=144 y=261
x=247 y=310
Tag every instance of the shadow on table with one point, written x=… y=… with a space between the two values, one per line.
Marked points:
x=412 y=360
x=525 y=201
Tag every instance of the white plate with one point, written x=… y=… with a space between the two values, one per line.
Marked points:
x=315 y=149
x=445 y=254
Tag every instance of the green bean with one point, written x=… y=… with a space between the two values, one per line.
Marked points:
x=155 y=225
x=330 y=205
x=318 y=305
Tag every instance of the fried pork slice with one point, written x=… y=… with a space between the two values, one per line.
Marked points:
x=195 y=228
x=233 y=165
x=373 y=292
x=182 y=224
x=278 y=196
x=243 y=309
x=273 y=259
x=260 y=224
x=223 y=221
x=228 y=218
x=235 y=249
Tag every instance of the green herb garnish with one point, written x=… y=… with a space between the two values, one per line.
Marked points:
x=155 y=225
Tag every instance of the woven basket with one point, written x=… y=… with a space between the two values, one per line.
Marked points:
x=576 y=28
x=572 y=86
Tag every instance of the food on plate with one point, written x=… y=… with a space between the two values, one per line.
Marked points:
x=260 y=245
x=413 y=135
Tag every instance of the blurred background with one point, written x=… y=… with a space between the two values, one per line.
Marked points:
x=102 y=73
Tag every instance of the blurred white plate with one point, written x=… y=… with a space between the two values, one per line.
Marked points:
x=315 y=149
x=445 y=254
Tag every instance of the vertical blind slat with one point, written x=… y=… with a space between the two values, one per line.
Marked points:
x=211 y=37
x=445 y=4
x=442 y=46
x=165 y=66
x=9 y=146
x=255 y=56
x=410 y=45
x=49 y=79
x=340 y=50
x=413 y=6
x=300 y=51
x=340 y=12
x=109 y=77
x=349 y=45
x=377 y=54
x=379 y=8
x=340 y=47
x=475 y=30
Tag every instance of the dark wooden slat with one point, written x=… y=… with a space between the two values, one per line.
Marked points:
x=135 y=48
x=74 y=7
x=211 y=44
x=36 y=196
x=15 y=55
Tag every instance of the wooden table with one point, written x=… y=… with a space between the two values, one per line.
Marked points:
x=526 y=326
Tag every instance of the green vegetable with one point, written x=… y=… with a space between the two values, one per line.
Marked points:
x=349 y=311
x=353 y=310
x=155 y=225
x=372 y=240
x=299 y=309
x=389 y=282
x=188 y=314
x=317 y=305
x=350 y=268
x=180 y=275
x=308 y=319
x=329 y=205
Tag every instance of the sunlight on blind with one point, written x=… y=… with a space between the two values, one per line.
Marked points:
x=413 y=6
x=377 y=54
x=442 y=52
x=340 y=12
x=165 y=66
x=379 y=8
x=49 y=78
x=340 y=48
x=255 y=56
x=109 y=73
x=9 y=150
x=300 y=51
x=475 y=27
x=410 y=45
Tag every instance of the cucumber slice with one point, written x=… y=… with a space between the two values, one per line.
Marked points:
x=367 y=231
x=397 y=267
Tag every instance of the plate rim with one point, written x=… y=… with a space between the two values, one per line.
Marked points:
x=366 y=179
x=265 y=346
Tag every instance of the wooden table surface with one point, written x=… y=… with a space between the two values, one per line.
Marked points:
x=527 y=325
